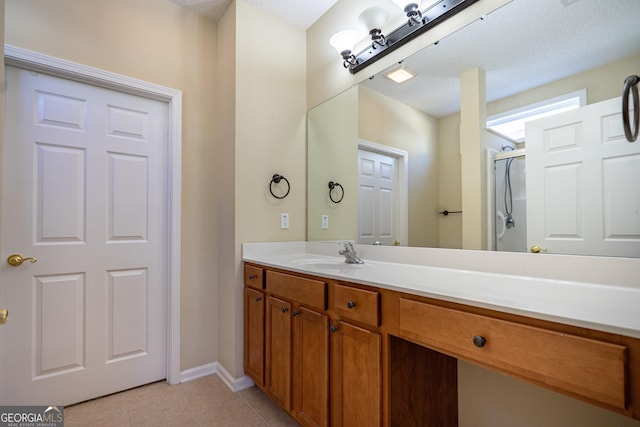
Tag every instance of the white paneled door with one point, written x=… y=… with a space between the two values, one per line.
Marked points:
x=582 y=183
x=84 y=191
x=377 y=203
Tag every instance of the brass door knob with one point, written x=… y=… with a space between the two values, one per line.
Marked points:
x=535 y=249
x=17 y=259
x=4 y=315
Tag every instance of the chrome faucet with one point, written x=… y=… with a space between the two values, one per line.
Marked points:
x=350 y=254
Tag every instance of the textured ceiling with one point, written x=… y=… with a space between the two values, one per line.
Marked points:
x=302 y=13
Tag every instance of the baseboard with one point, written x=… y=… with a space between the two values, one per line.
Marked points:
x=198 y=372
x=235 y=384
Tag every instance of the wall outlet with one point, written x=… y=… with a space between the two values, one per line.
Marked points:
x=325 y=222
x=284 y=221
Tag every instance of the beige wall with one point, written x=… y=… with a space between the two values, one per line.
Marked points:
x=224 y=190
x=394 y=124
x=332 y=152
x=161 y=43
x=334 y=129
x=450 y=181
x=270 y=137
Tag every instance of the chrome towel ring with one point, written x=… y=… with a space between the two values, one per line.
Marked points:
x=332 y=186
x=277 y=178
x=631 y=87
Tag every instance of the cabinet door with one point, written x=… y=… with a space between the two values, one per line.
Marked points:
x=278 y=351
x=311 y=367
x=356 y=377
x=254 y=335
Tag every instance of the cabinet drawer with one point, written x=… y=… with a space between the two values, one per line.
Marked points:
x=254 y=276
x=356 y=304
x=305 y=291
x=580 y=366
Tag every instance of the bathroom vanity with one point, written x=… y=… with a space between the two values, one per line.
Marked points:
x=378 y=343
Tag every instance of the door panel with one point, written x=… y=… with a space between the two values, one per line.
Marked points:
x=85 y=192
x=377 y=201
x=581 y=178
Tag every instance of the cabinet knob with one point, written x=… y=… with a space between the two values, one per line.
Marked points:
x=253 y=277
x=333 y=329
x=351 y=304
x=294 y=313
x=258 y=299
x=285 y=309
x=479 y=341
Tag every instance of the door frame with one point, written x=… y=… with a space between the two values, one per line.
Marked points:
x=30 y=60
x=402 y=158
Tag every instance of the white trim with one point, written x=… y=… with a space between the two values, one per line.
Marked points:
x=23 y=58
x=235 y=384
x=403 y=180
x=198 y=372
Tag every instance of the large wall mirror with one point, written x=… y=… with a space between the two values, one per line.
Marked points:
x=395 y=148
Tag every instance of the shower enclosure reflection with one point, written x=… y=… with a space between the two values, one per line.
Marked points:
x=510 y=205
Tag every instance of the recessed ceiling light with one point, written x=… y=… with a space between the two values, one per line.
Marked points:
x=399 y=75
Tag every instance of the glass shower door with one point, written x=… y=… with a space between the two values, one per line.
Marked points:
x=510 y=202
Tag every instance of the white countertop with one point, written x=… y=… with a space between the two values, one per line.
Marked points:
x=541 y=286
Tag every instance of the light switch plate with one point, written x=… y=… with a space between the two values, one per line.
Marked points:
x=284 y=221
x=325 y=222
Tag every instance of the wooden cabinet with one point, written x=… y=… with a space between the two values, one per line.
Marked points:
x=278 y=351
x=254 y=323
x=579 y=366
x=254 y=312
x=356 y=304
x=342 y=354
x=297 y=347
x=254 y=277
x=356 y=376
x=311 y=367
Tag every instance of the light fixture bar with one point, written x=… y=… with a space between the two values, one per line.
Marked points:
x=433 y=16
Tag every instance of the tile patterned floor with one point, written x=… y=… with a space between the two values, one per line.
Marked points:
x=203 y=402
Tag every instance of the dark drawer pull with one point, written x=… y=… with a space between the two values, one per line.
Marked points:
x=285 y=309
x=253 y=277
x=479 y=341
x=258 y=299
x=333 y=329
x=351 y=304
x=294 y=313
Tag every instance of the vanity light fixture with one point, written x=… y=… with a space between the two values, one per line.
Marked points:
x=374 y=18
x=412 y=11
x=343 y=42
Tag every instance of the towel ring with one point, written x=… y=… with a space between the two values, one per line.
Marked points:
x=631 y=84
x=332 y=186
x=277 y=178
